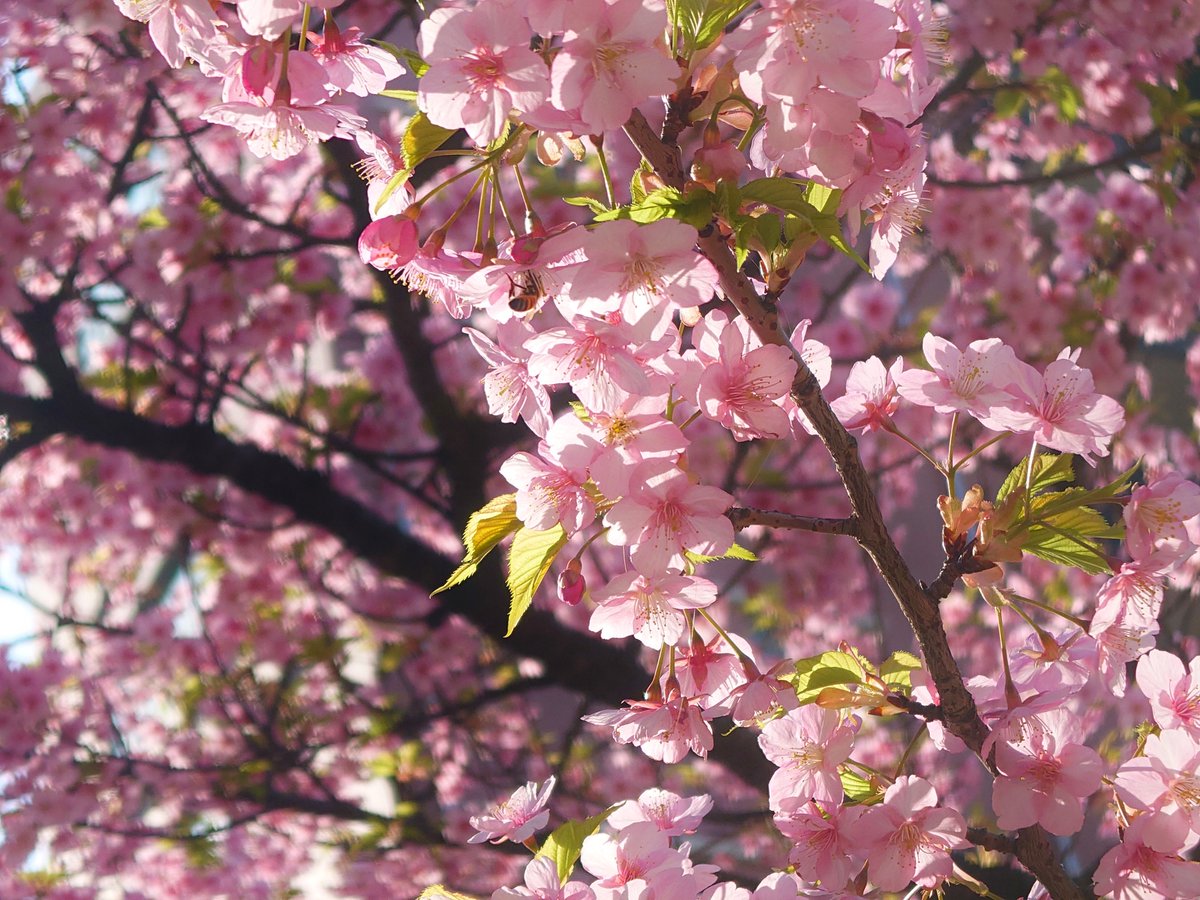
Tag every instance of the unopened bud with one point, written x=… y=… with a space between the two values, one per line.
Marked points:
x=571 y=583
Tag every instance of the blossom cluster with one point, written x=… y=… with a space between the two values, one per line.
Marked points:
x=615 y=342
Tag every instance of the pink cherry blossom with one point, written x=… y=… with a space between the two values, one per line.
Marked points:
x=518 y=817
x=665 y=730
x=666 y=514
x=649 y=609
x=871 y=396
x=1045 y=778
x=178 y=28
x=826 y=846
x=1156 y=513
x=542 y=882
x=480 y=68
x=908 y=837
x=669 y=812
x=616 y=860
x=1174 y=693
x=972 y=380
x=511 y=391
x=548 y=493
x=808 y=744
x=638 y=268
x=389 y=244
x=1060 y=409
x=1165 y=780
x=740 y=388
x=595 y=357
x=282 y=129
x=350 y=64
x=1133 y=870
x=612 y=59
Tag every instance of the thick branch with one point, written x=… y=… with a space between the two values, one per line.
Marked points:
x=958 y=707
x=578 y=661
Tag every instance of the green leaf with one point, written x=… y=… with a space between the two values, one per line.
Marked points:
x=410 y=58
x=782 y=193
x=1009 y=102
x=485 y=529
x=1062 y=92
x=823 y=199
x=694 y=208
x=566 y=841
x=1070 y=539
x=421 y=138
x=897 y=669
x=1073 y=497
x=737 y=551
x=1048 y=469
x=529 y=560
x=398 y=94
x=701 y=22
x=858 y=789
x=829 y=669
x=590 y=202
x=798 y=198
x=441 y=892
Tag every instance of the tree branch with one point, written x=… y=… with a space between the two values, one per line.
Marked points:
x=744 y=518
x=761 y=314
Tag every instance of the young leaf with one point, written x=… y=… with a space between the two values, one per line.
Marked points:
x=1048 y=469
x=529 y=560
x=831 y=668
x=859 y=791
x=701 y=22
x=566 y=841
x=1070 y=539
x=897 y=669
x=735 y=552
x=485 y=529
x=421 y=138
x=441 y=892
x=398 y=94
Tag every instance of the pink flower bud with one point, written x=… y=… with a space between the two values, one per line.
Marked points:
x=571 y=583
x=389 y=243
x=712 y=164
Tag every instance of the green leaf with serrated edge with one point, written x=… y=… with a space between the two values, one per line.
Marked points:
x=708 y=20
x=830 y=669
x=564 y=844
x=897 y=669
x=1048 y=469
x=782 y=193
x=441 y=892
x=830 y=230
x=590 y=202
x=735 y=552
x=823 y=199
x=792 y=196
x=398 y=94
x=485 y=529
x=858 y=790
x=695 y=208
x=529 y=560
x=421 y=138
x=1051 y=505
x=1070 y=539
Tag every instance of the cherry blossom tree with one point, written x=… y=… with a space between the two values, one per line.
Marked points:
x=600 y=449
